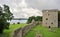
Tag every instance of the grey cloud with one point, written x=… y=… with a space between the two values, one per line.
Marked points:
x=44 y=4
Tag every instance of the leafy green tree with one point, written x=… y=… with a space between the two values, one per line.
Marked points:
x=5 y=16
x=37 y=18
x=30 y=19
x=8 y=14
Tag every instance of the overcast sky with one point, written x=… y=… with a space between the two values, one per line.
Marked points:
x=27 y=8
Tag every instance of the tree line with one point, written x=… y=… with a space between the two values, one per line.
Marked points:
x=37 y=18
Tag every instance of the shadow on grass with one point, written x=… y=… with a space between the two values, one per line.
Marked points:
x=4 y=34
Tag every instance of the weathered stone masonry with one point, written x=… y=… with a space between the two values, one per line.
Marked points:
x=50 y=18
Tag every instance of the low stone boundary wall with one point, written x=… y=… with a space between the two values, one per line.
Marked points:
x=17 y=33
x=26 y=29
x=22 y=31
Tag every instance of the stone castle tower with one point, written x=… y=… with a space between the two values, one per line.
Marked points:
x=50 y=18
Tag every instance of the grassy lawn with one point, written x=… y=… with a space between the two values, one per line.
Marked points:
x=8 y=33
x=44 y=31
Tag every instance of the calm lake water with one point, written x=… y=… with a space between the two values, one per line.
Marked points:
x=15 y=21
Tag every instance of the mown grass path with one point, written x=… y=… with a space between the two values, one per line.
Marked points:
x=44 y=31
x=8 y=33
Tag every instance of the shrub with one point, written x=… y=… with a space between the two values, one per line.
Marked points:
x=18 y=22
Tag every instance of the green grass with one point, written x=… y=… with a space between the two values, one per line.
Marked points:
x=44 y=31
x=8 y=33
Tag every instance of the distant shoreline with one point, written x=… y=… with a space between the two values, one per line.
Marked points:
x=16 y=20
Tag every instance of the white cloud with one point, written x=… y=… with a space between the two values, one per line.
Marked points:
x=26 y=8
x=26 y=12
x=22 y=10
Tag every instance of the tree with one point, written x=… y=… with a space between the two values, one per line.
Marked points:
x=30 y=19
x=8 y=14
x=37 y=18
x=5 y=16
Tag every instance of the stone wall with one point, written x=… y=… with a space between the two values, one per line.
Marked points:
x=50 y=18
x=17 y=33
x=22 y=31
